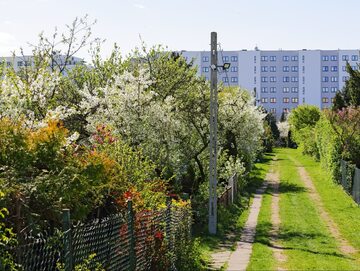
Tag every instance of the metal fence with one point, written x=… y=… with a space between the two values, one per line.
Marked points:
x=124 y=241
x=228 y=196
x=350 y=180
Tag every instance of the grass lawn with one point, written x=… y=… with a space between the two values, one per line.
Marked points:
x=307 y=242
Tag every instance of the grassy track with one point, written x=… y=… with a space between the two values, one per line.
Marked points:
x=308 y=243
x=344 y=211
x=235 y=218
x=262 y=257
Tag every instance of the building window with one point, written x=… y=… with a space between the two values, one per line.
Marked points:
x=20 y=63
x=286 y=100
x=254 y=59
x=273 y=89
x=273 y=110
x=272 y=79
x=8 y=64
x=303 y=58
x=325 y=58
x=264 y=68
x=294 y=79
x=264 y=90
x=234 y=79
x=294 y=89
x=334 y=78
x=286 y=89
x=333 y=89
x=354 y=58
x=264 y=100
x=286 y=79
x=254 y=69
x=225 y=79
x=325 y=68
x=325 y=89
x=303 y=79
x=273 y=68
x=234 y=58
x=325 y=100
x=325 y=79
x=272 y=58
x=264 y=58
x=234 y=69
x=345 y=58
x=334 y=68
x=205 y=69
x=294 y=58
x=272 y=100
x=354 y=68
x=264 y=79
x=225 y=59
x=254 y=79
x=294 y=100
x=205 y=59
x=303 y=69
x=333 y=58
x=345 y=78
x=285 y=58
x=344 y=68
x=286 y=68
x=294 y=68
x=332 y=100
x=286 y=110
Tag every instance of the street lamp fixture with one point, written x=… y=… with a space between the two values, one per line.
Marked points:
x=225 y=66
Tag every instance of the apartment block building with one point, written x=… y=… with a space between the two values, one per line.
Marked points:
x=282 y=79
x=18 y=62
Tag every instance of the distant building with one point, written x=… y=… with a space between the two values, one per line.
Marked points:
x=282 y=79
x=18 y=62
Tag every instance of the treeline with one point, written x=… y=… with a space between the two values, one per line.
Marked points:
x=332 y=134
x=134 y=125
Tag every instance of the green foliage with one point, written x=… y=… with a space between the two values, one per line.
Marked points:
x=302 y=122
x=7 y=240
x=53 y=173
x=350 y=94
x=88 y=264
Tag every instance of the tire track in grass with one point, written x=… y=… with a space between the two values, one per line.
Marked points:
x=304 y=236
x=344 y=245
x=278 y=250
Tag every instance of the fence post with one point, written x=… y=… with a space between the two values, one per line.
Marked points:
x=356 y=186
x=343 y=174
x=132 y=253
x=67 y=257
x=231 y=184
x=168 y=230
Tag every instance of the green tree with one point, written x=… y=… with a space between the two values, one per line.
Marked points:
x=350 y=94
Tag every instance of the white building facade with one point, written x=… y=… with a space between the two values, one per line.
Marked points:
x=19 y=62
x=282 y=79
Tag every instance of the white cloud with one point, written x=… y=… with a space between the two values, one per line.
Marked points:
x=140 y=6
x=8 y=43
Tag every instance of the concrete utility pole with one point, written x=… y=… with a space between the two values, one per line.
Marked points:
x=213 y=137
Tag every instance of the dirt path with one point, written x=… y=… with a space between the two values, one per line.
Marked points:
x=274 y=180
x=344 y=245
x=240 y=258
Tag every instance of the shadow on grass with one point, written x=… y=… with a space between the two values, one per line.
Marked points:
x=263 y=236
x=286 y=187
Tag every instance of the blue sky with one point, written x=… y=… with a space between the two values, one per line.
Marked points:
x=186 y=24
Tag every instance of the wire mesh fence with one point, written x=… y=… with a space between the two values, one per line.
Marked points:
x=350 y=180
x=123 y=241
